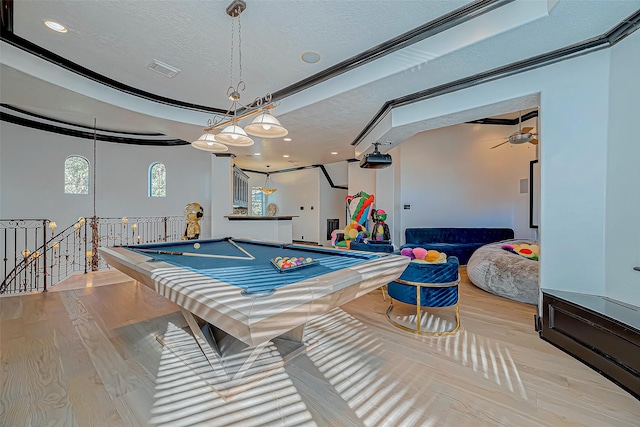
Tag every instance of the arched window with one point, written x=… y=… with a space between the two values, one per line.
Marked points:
x=157 y=180
x=76 y=175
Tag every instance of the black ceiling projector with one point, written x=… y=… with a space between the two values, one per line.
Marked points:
x=375 y=160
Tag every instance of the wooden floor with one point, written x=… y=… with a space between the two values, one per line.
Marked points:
x=86 y=354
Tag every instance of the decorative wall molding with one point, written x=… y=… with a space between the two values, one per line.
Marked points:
x=36 y=117
x=445 y=22
x=505 y=122
x=322 y=168
x=20 y=117
x=450 y=20
x=604 y=41
x=429 y=29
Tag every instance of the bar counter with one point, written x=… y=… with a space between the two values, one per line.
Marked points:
x=259 y=218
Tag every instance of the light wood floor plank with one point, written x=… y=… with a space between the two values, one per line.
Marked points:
x=11 y=307
x=86 y=354
x=91 y=403
x=15 y=385
x=114 y=373
x=34 y=382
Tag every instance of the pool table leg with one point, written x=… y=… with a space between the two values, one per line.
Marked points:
x=295 y=335
x=230 y=358
x=207 y=345
x=232 y=366
x=290 y=344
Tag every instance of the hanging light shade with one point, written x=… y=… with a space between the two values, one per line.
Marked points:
x=234 y=135
x=266 y=189
x=266 y=126
x=208 y=142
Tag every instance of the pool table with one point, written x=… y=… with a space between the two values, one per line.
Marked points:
x=236 y=301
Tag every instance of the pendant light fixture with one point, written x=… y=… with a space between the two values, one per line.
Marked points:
x=265 y=125
x=266 y=189
x=208 y=142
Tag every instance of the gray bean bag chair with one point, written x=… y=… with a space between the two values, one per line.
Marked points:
x=504 y=273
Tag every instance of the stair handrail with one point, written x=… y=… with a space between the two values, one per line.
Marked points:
x=41 y=250
x=59 y=263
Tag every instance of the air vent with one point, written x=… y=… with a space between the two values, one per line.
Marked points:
x=164 y=69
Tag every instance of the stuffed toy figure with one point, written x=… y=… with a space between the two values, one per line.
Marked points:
x=193 y=213
x=380 y=229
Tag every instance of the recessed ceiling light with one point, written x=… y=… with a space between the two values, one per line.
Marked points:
x=56 y=26
x=310 y=57
x=334 y=152
x=285 y=155
x=256 y=154
x=287 y=139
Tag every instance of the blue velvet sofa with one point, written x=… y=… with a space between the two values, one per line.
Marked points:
x=458 y=242
x=372 y=246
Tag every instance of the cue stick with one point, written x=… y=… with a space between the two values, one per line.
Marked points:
x=153 y=251
x=236 y=245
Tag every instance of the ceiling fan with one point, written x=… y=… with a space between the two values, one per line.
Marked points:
x=523 y=135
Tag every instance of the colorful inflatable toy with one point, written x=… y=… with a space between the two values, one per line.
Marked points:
x=359 y=206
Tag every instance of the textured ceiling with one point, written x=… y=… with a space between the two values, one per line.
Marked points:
x=119 y=39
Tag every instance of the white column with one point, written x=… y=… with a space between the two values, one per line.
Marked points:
x=221 y=197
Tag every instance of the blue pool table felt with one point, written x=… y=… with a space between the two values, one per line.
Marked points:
x=251 y=275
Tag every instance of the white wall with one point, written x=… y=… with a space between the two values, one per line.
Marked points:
x=361 y=179
x=296 y=190
x=451 y=178
x=221 y=177
x=1 y=155
x=332 y=200
x=32 y=178
x=573 y=134
x=623 y=174
x=339 y=173
x=574 y=119
x=387 y=189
